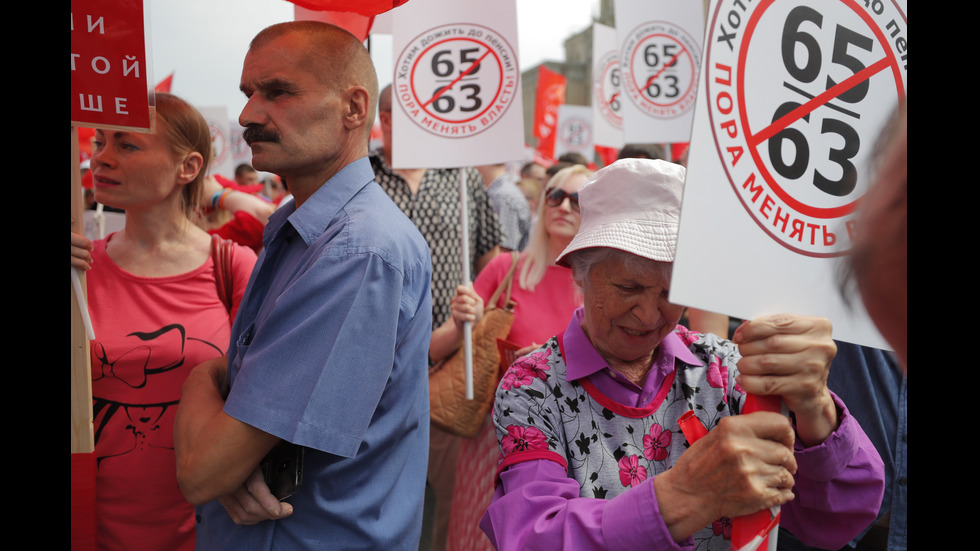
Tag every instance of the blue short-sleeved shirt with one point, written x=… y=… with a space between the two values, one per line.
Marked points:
x=329 y=351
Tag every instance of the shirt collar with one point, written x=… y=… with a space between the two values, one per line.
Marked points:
x=583 y=360
x=311 y=219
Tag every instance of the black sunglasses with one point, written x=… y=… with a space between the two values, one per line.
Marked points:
x=557 y=196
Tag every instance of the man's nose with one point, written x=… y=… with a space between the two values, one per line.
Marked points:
x=252 y=113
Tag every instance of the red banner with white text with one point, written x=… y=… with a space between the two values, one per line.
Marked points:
x=551 y=94
x=108 y=64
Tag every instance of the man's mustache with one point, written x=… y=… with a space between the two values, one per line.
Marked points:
x=256 y=133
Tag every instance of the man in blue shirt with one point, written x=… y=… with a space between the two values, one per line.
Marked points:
x=329 y=350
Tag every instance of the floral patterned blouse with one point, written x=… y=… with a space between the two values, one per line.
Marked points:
x=566 y=433
x=607 y=447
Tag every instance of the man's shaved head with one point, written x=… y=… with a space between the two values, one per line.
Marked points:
x=336 y=56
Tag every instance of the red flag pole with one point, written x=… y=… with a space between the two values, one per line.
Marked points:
x=760 y=529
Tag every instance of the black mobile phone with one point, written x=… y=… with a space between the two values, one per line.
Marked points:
x=283 y=469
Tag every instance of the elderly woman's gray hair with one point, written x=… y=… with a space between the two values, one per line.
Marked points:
x=582 y=261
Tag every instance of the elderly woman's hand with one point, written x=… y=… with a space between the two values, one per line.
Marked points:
x=789 y=356
x=744 y=465
x=466 y=306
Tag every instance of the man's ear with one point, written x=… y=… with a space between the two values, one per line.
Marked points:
x=189 y=167
x=357 y=108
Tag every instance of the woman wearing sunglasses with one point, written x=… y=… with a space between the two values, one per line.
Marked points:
x=543 y=292
x=544 y=296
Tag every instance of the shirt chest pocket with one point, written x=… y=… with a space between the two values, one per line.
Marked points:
x=245 y=339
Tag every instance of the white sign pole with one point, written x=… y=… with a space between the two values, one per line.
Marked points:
x=464 y=235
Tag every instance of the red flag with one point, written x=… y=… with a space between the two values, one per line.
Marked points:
x=364 y=7
x=165 y=84
x=678 y=152
x=355 y=23
x=85 y=136
x=551 y=94
x=754 y=530
x=607 y=154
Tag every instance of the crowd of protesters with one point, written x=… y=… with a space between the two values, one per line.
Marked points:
x=333 y=289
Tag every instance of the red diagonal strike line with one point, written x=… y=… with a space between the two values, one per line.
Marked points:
x=789 y=118
x=613 y=98
x=443 y=90
x=661 y=71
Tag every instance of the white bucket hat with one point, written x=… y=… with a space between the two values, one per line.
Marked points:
x=633 y=205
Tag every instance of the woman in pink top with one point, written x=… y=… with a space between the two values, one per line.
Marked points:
x=157 y=310
x=544 y=297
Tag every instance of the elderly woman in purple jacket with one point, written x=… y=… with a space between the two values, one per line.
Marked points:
x=592 y=456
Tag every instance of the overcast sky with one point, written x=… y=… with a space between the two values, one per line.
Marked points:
x=203 y=42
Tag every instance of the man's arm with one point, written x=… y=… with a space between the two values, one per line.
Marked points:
x=216 y=453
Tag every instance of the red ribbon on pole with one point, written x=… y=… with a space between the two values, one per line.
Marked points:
x=761 y=523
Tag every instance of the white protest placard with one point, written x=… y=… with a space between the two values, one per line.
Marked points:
x=241 y=153
x=659 y=58
x=574 y=131
x=607 y=123
x=221 y=140
x=456 y=92
x=791 y=103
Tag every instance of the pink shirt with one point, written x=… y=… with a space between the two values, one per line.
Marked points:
x=539 y=314
x=150 y=332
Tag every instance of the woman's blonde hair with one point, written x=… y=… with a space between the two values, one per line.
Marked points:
x=185 y=130
x=536 y=252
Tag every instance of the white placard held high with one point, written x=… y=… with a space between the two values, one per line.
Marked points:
x=790 y=106
x=659 y=58
x=573 y=133
x=456 y=93
x=607 y=122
